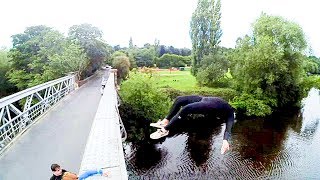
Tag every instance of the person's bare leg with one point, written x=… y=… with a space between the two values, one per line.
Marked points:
x=164 y=121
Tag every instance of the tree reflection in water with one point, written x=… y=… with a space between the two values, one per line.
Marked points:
x=282 y=146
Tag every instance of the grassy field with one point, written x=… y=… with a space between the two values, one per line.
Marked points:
x=181 y=80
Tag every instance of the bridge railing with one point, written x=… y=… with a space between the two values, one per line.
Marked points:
x=18 y=111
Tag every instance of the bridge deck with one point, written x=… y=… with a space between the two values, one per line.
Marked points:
x=104 y=147
x=60 y=136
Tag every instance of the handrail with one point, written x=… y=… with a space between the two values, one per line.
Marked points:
x=18 y=111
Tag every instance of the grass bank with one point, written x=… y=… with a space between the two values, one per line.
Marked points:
x=177 y=83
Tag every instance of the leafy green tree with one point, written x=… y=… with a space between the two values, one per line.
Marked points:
x=205 y=30
x=71 y=59
x=156 y=46
x=312 y=65
x=142 y=94
x=172 y=60
x=26 y=46
x=268 y=65
x=6 y=88
x=41 y=54
x=122 y=64
x=131 y=43
x=26 y=57
x=212 y=71
x=162 y=49
x=145 y=56
x=89 y=37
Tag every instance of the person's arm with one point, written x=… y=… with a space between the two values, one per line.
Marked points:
x=70 y=175
x=229 y=124
x=227 y=133
x=91 y=173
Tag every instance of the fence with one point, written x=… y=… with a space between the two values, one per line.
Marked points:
x=20 y=110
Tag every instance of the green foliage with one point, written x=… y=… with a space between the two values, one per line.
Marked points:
x=20 y=78
x=311 y=65
x=251 y=106
x=205 y=30
x=89 y=38
x=41 y=54
x=212 y=71
x=270 y=63
x=145 y=57
x=6 y=87
x=122 y=64
x=29 y=55
x=225 y=93
x=310 y=82
x=172 y=60
x=71 y=59
x=141 y=93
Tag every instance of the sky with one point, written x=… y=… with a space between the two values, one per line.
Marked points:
x=147 y=20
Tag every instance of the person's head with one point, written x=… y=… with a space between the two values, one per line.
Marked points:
x=56 y=169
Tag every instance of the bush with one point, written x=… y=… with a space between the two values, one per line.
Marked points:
x=212 y=71
x=225 y=93
x=122 y=64
x=140 y=92
x=252 y=106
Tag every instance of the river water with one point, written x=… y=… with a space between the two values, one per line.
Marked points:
x=285 y=146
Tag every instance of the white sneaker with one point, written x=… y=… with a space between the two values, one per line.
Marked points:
x=159 y=134
x=158 y=124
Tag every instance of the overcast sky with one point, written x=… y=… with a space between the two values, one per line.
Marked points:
x=145 y=20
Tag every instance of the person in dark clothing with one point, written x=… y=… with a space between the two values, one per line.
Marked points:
x=62 y=174
x=59 y=173
x=185 y=105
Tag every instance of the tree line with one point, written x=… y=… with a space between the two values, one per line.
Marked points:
x=268 y=67
x=41 y=53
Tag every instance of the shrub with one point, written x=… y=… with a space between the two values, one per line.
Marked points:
x=252 y=106
x=140 y=92
x=225 y=93
x=122 y=64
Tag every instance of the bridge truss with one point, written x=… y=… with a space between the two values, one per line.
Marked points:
x=18 y=111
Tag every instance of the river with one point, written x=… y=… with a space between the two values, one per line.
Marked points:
x=285 y=146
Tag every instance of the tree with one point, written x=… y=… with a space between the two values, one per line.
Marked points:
x=122 y=64
x=130 y=43
x=141 y=93
x=268 y=65
x=41 y=54
x=212 y=71
x=6 y=88
x=27 y=60
x=71 y=59
x=26 y=46
x=171 y=60
x=312 y=65
x=162 y=49
x=156 y=47
x=205 y=31
x=145 y=57
x=89 y=38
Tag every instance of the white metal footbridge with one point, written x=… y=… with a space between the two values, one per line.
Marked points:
x=59 y=122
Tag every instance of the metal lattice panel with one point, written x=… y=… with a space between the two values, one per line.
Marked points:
x=19 y=110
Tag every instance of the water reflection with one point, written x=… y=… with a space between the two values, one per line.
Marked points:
x=199 y=145
x=146 y=157
x=282 y=146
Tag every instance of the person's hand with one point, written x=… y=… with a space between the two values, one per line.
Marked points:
x=225 y=146
x=106 y=174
